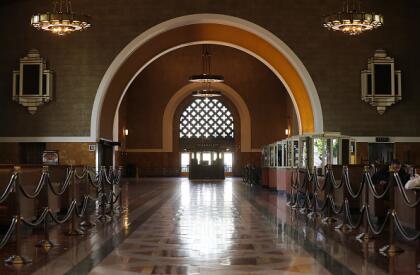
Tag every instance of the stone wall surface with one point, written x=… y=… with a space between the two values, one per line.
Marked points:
x=333 y=60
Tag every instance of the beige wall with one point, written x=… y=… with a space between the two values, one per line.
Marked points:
x=73 y=153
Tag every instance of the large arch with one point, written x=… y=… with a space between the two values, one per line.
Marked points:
x=180 y=96
x=184 y=92
x=206 y=28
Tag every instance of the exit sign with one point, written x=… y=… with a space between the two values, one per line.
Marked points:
x=382 y=139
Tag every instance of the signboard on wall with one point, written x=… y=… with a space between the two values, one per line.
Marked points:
x=50 y=157
x=92 y=147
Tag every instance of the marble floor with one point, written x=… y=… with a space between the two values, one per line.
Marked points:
x=208 y=230
x=175 y=226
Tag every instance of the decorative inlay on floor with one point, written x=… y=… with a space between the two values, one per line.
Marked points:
x=209 y=230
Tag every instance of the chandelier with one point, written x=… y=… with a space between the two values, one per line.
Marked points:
x=62 y=20
x=206 y=91
x=206 y=78
x=352 y=20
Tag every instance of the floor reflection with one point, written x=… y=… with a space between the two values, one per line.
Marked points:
x=211 y=228
x=205 y=218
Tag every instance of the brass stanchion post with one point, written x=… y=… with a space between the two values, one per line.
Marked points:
x=18 y=258
x=391 y=249
x=329 y=220
x=86 y=223
x=119 y=207
x=290 y=202
x=314 y=213
x=366 y=235
x=102 y=215
x=344 y=226
x=74 y=230
x=295 y=204
x=46 y=243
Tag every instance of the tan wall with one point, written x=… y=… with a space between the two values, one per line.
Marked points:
x=73 y=153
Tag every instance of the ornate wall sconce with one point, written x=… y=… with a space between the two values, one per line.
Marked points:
x=381 y=83
x=33 y=82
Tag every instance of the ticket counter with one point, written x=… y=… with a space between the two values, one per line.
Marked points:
x=304 y=151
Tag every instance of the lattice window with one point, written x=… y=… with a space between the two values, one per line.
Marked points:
x=208 y=118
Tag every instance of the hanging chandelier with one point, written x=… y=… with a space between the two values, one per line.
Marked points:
x=62 y=20
x=206 y=76
x=206 y=91
x=352 y=20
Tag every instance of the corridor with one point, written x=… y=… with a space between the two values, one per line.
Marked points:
x=176 y=226
x=209 y=228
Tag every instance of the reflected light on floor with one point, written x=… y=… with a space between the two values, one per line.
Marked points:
x=206 y=220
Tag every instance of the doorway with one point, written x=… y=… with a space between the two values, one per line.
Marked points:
x=206 y=158
x=381 y=153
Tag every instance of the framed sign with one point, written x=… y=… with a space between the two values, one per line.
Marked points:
x=92 y=147
x=50 y=157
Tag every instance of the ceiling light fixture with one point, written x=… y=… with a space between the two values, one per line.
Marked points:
x=62 y=20
x=352 y=20
x=206 y=76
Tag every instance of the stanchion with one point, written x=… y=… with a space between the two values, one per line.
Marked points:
x=103 y=216
x=344 y=226
x=314 y=214
x=329 y=220
x=18 y=258
x=391 y=249
x=86 y=222
x=74 y=230
x=366 y=235
x=305 y=208
x=46 y=243
x=119 y=208
x=293 y=183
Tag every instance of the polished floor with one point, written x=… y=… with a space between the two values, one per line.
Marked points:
x=175 y=226
x=208 y=230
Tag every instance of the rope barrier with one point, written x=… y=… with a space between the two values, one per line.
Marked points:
x=75 y=210
x=306 y=194
x=9 y=232
x=9 y=188
x=404 y=194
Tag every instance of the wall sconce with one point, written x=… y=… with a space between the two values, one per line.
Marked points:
x=125 y=132
x=287 y=132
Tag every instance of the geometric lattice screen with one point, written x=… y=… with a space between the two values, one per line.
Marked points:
x=208 y=118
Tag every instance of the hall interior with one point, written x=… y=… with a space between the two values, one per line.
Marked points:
x=232 y=137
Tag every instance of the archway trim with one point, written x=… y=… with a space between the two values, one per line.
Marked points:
x=200 y=28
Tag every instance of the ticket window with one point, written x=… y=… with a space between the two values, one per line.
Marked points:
x=285 y=154
x=320 y=158
x=304 y=152
x=335 y=151
x=279 y=154
x=295 y=153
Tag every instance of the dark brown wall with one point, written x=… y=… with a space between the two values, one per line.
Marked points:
x=333 y=60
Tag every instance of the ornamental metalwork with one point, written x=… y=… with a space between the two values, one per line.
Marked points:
x=206 y=118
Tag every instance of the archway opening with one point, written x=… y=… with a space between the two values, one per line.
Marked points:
x=151 y=105
x=206 y=28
